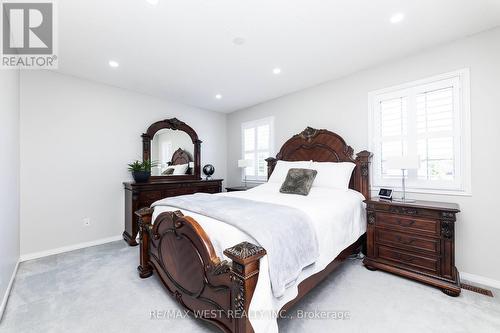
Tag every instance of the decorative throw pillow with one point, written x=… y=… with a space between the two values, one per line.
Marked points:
x=298 y=181
x=180 y=169
x=282 y=167
x=168 y=171
x=333 y=174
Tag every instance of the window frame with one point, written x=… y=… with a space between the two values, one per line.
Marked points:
x=255 y=124
x=460 y=80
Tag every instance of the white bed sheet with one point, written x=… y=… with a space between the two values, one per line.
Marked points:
x=339 y=218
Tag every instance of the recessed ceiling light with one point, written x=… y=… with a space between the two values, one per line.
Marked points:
x=277 y=70
x=114 y=64
x=152 y=2
x=218 y=96
x=398 y=17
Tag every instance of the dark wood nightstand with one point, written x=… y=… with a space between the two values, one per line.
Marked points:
x=415 y=240
x=238 y=188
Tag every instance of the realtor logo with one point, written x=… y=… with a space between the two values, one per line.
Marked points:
x=28 y=35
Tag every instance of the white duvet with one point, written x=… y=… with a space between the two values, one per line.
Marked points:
x=339 y=219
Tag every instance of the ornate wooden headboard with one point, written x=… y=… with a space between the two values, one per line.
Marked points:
x=325 y=146
x=180 y=157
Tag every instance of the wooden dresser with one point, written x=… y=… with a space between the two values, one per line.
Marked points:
x=139 y=195
x=414 y=240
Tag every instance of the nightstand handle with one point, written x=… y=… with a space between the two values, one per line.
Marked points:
x=404 y=257
x=409 y=224
x=407 y=242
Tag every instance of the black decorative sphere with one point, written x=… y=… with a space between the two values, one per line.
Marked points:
x=208 y=170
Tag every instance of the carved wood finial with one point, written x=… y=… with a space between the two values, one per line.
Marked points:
x=144 y=211
x=348 y=151
x=364 y=155
x=174 y=123
x=308 y=133
x=145 y=215
x=245 y=250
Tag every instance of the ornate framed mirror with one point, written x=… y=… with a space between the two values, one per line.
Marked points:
x=175 y=147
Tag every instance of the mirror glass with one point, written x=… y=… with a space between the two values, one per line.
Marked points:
x=173 y=151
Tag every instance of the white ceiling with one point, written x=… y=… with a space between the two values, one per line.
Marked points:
x=183 y=50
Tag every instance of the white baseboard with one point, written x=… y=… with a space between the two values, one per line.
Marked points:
x=480 y=279
x=3 y=305
x=36 y=255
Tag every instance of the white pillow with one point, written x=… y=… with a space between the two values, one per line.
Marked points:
x=332 y=174
x=282 y=167
x=180 y=169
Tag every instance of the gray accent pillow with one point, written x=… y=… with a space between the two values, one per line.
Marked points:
x=298 y=181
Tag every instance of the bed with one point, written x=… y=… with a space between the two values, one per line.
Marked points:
x=221 y=275
x=179 y=158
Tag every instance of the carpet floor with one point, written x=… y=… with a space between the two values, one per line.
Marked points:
x=97 y=289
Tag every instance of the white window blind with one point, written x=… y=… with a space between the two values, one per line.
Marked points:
x=257 y=146
x=429 y=118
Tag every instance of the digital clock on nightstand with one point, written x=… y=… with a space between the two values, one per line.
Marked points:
x=385 y=194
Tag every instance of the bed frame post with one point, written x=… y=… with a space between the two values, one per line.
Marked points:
x=271 y=164
x=145 y=216
x=363 y=163
x=244 y=274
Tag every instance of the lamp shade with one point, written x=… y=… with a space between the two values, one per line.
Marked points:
x=408 y=162
x=245 y=163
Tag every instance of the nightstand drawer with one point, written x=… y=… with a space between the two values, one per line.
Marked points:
x=210 y=190
x=408 y=223
x=405 y=241
x=429 y=264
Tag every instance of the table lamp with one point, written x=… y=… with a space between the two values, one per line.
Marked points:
x=245 y=164
x=404 y=163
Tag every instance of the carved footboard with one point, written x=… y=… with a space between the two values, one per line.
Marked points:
x=179 y=250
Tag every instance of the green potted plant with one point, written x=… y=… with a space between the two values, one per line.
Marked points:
x=141 y=171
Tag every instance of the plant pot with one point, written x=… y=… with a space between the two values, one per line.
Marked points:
x=141 y=176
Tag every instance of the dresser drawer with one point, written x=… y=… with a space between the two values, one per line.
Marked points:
x=405 y=241
x=146 y=198
x=190 y=190
x=403 y=258
x=408 y=224
x=178 y=191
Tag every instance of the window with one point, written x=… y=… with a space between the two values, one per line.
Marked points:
x=257 y=139
x=429 y=118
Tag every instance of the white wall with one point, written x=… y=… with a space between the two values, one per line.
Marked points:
x=9 y=180
x=341 y=106
x=77 y=137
